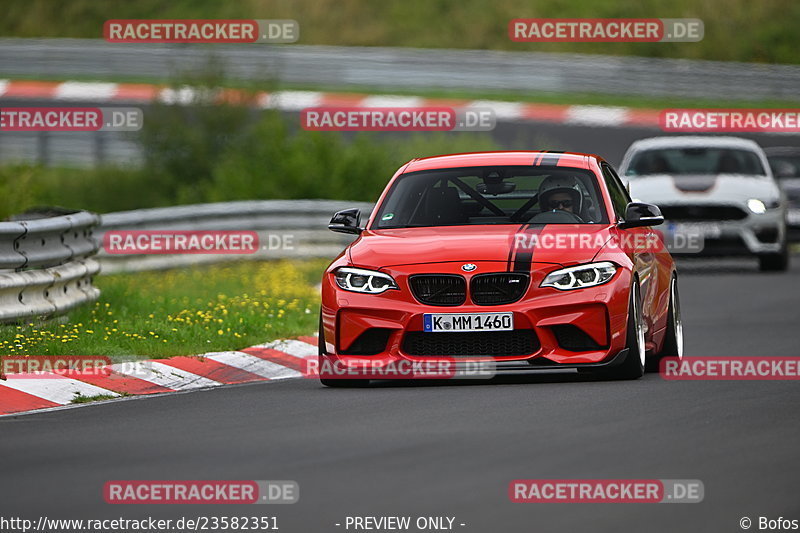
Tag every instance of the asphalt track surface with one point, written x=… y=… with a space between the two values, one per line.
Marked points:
x=435 y=450
x=451 y=450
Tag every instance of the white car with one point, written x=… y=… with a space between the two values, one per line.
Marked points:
x=720 y=189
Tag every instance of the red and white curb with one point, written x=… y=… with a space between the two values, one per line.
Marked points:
x=284 y=359
x=131 y=93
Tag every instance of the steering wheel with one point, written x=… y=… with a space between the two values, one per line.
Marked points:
x=556 y=216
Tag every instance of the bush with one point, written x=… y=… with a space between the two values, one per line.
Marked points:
x=211 y=153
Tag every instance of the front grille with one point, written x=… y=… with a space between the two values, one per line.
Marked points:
x=471 y=344
x=439 y=289
x=498 y=288
x=701 y=212
x=574 y=339
x=370 y=342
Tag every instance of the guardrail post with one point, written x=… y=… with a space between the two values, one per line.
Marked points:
x=43 y=148
x=99 y=148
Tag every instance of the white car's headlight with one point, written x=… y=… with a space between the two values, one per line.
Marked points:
x=756 y=206
x=760 y=207
x=580 y=276
x=360 y=280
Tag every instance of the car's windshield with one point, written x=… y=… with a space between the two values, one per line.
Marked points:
x=492 y=195
x=695 y=160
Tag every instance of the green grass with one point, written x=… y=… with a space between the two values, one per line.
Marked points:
x=181 y=312
x=79 y=398
x=737 y=30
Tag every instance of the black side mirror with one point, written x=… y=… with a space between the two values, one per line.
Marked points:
x=639 y=214
x=346 y=221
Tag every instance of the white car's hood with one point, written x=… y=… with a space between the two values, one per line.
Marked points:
x=693 y=189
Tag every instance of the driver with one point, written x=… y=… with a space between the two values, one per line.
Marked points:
x=560 y=193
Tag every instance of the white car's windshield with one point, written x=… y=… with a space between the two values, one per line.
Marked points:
x=492 y=195
x=695 y=160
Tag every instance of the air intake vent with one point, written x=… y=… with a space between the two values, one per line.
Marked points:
x=471 y=344
x=574 y=339
x=370 y=342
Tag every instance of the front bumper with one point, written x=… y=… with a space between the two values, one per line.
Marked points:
x=598 y=315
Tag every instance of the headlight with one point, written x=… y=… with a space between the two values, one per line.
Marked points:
x=756 y=206
x=360 y=280
x=580 y=276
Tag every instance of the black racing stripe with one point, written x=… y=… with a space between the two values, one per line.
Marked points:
x=524 y=257
x=512 y=250
x=550 y=159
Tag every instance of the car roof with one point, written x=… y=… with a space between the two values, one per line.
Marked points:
x=692 y=141
x=522 y=158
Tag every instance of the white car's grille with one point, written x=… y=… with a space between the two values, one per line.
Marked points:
x=700 y=212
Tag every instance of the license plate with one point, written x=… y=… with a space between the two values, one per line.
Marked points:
x=458 y=322
x=705 y=230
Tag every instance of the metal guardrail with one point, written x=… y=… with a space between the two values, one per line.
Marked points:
x=46 y=266
x=408 y=68
x=303 y=221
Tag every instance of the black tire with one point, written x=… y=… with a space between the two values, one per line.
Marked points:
x=335 y=383
x=778 y=262
x=673 y=341
x=633 y=365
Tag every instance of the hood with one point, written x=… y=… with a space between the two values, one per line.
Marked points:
x=688 y=189
x=516 y=245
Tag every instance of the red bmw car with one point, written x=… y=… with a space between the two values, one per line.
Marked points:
x=525 y=260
